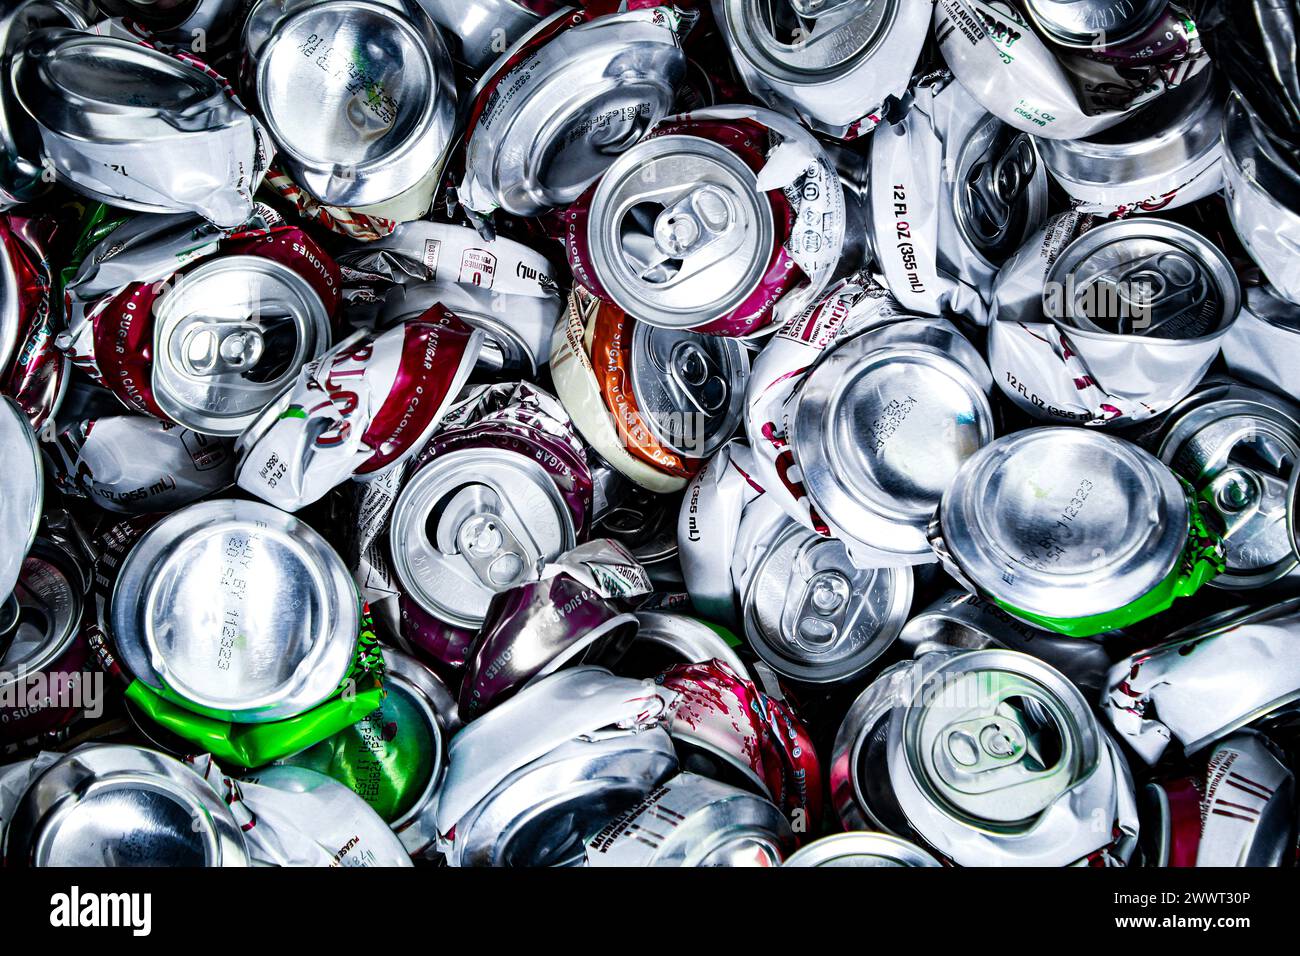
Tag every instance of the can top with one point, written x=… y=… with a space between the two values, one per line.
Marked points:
x=229 y=338
x=993 y=739
x=362 y=116
x=472 y=523
x=1065 y=522
x=1239 y=447
x=883 y=423
x=590 y=92
x=49 y=595
x=1094 y=24
x=238 y=610
x=999 y=190
x=1177 y=127
x=679 y=232
x=861 y=849
x=1148 y=277
x=812 y=616
x=689 y=388
x=807 y=41
x=120 y=805
x=20 y=505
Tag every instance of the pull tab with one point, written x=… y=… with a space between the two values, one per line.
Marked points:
x=984 y=743
x=1237 y=495
x=215 y=347
x=823 y=609
x=472 y=526
x=687 y=228
x=995 y=185
x=698 y=377
x=1157 y=289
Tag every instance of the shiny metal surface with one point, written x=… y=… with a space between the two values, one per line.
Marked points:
x=688 y=639
x=679 y=232
x=359 y=96
x=50 y=596
x=861 y=849
x=1146 y=277
x=238 y=610
x=229 y=337
x=1160 y=146
x=999 y=191
x=812 y=616
x=480 y=30
x=542 y=144
x=882 y=425
x=1064 y=522
x=689 y=388
x=1094 y=24
x=1239 y=447
x=472 y=523
x=117 y=805
x=690 y=820
x=20 y=505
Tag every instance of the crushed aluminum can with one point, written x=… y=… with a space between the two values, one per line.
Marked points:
x=1237 y=809
x=531 y=143
x=1060 y=92
x=664 y=639
x=881 y=425
x=652 y=402
x=1263 y=192
x=119 y=805
x=499 y=285
x=571 y=614
x=532 y=780
x=48 y=679
x=1263 y=344
x=711 y=222
x=235 y=610
x=134 y=464
x=808 y=611
x=110 y=108
x=861 y=849
x=500 y=490
x=1239 y=446
x=642 y=522
x=691 y=820
x=199 y=328
x=708 y=526
x=956 y=193
x=33 y=372
x=990 y=757
x=359 y=96
x=1206 y=680
x=22 y=177
x=293 y=816
x=481 y=30
x=193 y=24
x=1162 y=156
x=394 y=758
x=727 y=729
x=1123 y=322
x=1074 y=531
x=1094 y=24
x=364 y=407
x=24 y=493
x=835 y=65
x=968 y=622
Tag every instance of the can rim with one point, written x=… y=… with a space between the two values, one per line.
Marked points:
x=51 y=650
x=857 y=843
x=741 y=26
x=12 y=419
x=1081 y=39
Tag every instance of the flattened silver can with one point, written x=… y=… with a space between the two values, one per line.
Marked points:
x=481 y=30
x=359 y=96
x=1263 y=345
x=1263 y=192
x=691 y=820
x=831 y=63
x=236 y=610
x=881 y=426
x=861 y=849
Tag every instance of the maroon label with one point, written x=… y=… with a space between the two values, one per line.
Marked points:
x=34 y=376
x=445 y=644
x=433 y=351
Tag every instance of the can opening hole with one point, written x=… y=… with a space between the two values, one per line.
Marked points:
x=641 y=244
x=1044 y=742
